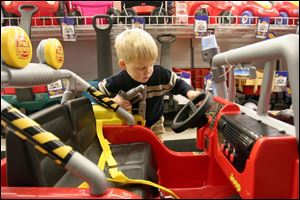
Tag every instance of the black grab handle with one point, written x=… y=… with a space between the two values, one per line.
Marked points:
x=104 y=58
x=33 y=11
x=26 y=16
x=110 y=22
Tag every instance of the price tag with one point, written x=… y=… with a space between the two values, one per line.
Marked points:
x=242 y=73
x=55 y=89
x=68 y=32
x=262 y=27
x=138 y=22
x=208 y=82
x=280 y=81
x=200 y=26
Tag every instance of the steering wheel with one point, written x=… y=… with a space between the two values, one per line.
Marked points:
x=192 y=115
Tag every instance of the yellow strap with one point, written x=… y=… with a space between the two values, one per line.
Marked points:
x=118 y=176
x=102 y=161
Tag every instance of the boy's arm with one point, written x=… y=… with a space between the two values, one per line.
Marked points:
x=181 y=87
x=102 y=88
x=191 y=94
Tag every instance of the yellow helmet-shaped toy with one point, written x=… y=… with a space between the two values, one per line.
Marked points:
x=51 y=52
x=16 y=48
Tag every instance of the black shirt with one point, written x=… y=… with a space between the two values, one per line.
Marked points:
x=161 y=81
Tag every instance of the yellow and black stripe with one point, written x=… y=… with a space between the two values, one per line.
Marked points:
x=97 y=95
x=29 y=130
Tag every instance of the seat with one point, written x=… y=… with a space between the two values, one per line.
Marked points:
x=28 y=167
x=74 y=123
x=135 y=160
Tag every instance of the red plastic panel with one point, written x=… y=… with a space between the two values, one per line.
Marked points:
x=9 y=90
x=40 y=89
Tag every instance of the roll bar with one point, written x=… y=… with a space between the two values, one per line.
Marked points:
x=38 y=73
x=287 y=47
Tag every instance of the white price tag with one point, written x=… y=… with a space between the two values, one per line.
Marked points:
x=263 y=27
x=200 y=26
x=55 y=89
x=68 y=32
x=280 y=81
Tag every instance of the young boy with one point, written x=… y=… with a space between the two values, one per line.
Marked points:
x=137 y=53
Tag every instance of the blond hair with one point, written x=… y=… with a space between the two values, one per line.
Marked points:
x=135 y=44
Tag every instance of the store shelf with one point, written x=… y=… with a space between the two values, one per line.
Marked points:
x=180 y=30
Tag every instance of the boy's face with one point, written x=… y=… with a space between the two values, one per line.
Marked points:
x=140 y=71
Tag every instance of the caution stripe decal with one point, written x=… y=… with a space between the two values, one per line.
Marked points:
x=12 y=113
x=21 y=135
x=97 y=93
x=34 y=130
x=58 y=162
x=23 y=123
x=42 y=140
x=40 y=149
x=63 y=151
x=53 y=144
x=44 y=137
x=103 y=98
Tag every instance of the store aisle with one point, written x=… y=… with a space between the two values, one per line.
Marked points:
x=180 y=142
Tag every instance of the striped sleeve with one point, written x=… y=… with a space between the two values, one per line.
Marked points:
x=181 y=87
x=103 y=89
x=172 y=82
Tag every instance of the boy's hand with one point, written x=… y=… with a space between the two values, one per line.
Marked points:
x=122 y=102
x=191 y=94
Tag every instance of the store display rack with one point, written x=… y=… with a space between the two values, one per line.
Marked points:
x=50 y=27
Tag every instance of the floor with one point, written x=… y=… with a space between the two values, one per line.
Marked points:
x=171 y=135
x=180 y=142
